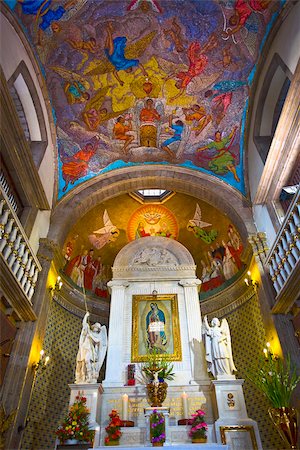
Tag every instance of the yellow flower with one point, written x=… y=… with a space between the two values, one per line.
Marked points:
x=74 y=422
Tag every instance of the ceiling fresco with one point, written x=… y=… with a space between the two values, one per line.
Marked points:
x=148 y=81
x=95 y=240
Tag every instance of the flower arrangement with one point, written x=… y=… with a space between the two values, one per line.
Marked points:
x=157 y=424
x=276 y=378
x=76 y=423
x=198 y=425
x=157 y=368
x=113 y=428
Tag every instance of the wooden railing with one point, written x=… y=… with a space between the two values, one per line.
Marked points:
x=15 y=249
x=284 y=256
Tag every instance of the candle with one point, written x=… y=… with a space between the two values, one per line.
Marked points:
x=125 y=407
x=184 y=398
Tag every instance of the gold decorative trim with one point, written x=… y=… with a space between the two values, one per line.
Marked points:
x=238 y=428
x=137 y=332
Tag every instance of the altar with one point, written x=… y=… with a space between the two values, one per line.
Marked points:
x=155 y=305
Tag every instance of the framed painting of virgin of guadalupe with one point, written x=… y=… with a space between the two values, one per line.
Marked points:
x=155 y=327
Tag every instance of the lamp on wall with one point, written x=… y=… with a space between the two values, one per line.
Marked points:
x=39 y=366
x=58 y=285
x=42 y=363
x=250 y=282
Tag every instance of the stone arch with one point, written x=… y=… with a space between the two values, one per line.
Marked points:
x=199 y=185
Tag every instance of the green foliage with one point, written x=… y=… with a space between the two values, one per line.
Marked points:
x=156 y=363
x=276 y=378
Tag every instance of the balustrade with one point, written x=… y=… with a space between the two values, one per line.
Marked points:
x=15 y=249
x=284 y=255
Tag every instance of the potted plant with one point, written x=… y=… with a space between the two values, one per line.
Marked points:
x=155 y=371
x=277 y=379
x=75 y=427
x=113 y=429
x=198 y=430
x=157 y=429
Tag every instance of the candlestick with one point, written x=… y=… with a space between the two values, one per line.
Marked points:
x=184 y=398
x=125 y=407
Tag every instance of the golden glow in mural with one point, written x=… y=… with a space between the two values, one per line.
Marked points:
x=152 y=220
x=155 y=327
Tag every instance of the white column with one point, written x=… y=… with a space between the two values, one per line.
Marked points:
x=194 y=325
x=114 y=361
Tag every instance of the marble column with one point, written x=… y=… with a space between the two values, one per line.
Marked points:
x=194 y=326
x=114 y=362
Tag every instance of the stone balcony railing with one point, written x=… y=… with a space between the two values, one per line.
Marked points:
x=283 y=260
x=21 y=264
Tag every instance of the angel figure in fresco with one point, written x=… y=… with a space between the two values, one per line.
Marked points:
x=224 y=160
x=145 y=5
x=176 y=128
x=47 y=14
x=77 y=165
x=174 y=34
x=196 y=225
x=218 y=348
x=221 y=96
x=85 y=47
x=102 y=236
x=197 y=63
x=243 y=9
x=76 y=87
x=120 y=56
x=197 y=115
x=94 y=114
x=148 y=122
x=121 y=129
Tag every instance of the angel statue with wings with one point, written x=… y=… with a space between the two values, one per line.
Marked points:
x=218 y=348
x=91 y=352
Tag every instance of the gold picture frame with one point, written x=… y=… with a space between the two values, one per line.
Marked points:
x=155 y=324
x=226 y=430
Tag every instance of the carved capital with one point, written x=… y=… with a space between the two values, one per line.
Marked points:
x=190 y=282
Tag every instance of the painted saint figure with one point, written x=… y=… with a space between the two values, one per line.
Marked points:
x=224 y=161
x=148 y=128
x=155 y=325
x=120 y=132
x=218 y=348
x=177 y=128
x=91 y=352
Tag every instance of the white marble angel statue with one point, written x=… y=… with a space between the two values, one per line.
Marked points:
x=91 y=352
x=218 y=348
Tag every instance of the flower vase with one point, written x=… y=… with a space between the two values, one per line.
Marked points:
x=156 y=393
x=285 y=420
x=71 y=442
x=199 y=440
x=157 y=444
x=112 y=443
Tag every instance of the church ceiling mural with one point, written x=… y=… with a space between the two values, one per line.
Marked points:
x=96 y=239
x=148 y=81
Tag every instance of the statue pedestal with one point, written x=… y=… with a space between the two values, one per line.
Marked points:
x=233 y=426
x=93 y=393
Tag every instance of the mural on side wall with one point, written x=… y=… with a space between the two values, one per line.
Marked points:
x=165 y=90
x=94 y=242
x=222 y=261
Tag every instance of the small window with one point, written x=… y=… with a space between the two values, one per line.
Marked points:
x=152 y=195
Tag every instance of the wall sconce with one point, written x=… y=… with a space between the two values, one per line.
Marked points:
x=250 y=282
x=42 y=363
x=268 y=351
x=58 y=285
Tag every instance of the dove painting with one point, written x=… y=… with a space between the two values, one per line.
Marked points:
x=102 y=236
x=196 y=225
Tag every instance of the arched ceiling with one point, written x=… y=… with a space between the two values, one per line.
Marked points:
x=103 y=60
